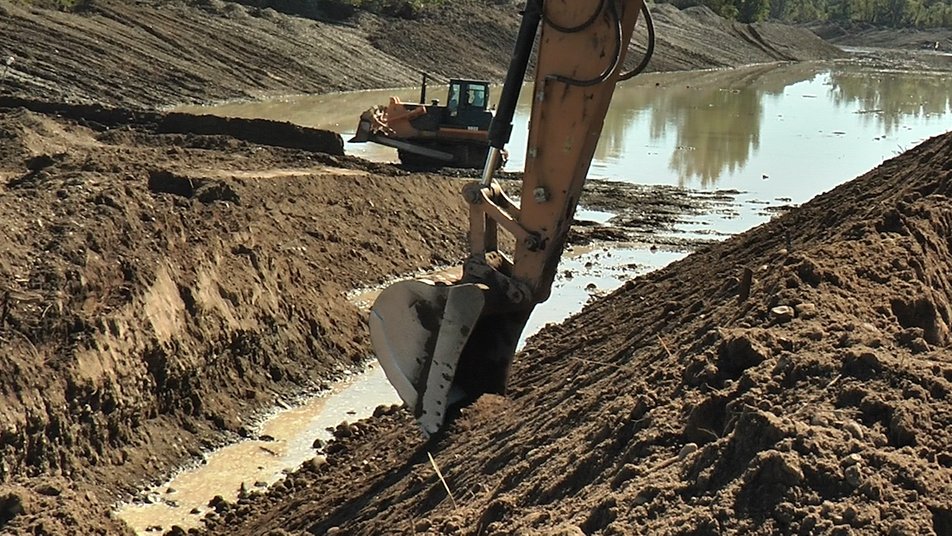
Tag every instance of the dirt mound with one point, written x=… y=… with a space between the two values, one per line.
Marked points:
x=794 y=379
x=697 y=38
x=161 y=53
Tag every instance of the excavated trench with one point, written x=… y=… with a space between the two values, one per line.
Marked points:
x=637 y=239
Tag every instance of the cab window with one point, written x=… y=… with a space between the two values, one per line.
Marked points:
x=477 y=96
x=453 y=97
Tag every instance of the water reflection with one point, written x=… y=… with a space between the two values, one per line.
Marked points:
x=886 y=99
x=710 y=125
x=714 y=118
x=787 y=131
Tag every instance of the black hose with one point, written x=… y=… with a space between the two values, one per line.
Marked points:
x=500 y=129
x=649 y=50
x=574 y=29
x=615 y=61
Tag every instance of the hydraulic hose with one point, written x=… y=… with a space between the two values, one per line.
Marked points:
x=649 y=49
x=500 y=130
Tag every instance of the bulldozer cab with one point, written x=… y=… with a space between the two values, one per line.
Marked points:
x=468 y=95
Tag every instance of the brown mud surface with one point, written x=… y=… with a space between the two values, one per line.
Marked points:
x=167 y=277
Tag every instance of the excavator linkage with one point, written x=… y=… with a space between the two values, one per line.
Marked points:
x=447 y=344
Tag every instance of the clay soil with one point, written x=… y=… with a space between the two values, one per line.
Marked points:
x=167 y=277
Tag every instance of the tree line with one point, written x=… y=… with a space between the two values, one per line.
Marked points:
x=894 y=13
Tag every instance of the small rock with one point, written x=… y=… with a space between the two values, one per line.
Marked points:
x=48 y=489
x=265 y=437
x=854 y=429
x=261 y=484
x=687 y=450
x=315 y=463
x=318 y=444
x=819 y=419
x=343 y=430
x=805 y=310
x=195 y=511
x=782 y=313
x=170 y=489
x=852 y=459
x=854 y=476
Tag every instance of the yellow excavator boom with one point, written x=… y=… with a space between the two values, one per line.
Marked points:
x=444 y=344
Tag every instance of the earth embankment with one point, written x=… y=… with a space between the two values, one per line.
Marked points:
x=161 y=287
x=162 y=53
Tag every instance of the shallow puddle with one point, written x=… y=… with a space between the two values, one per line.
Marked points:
x=254 y=464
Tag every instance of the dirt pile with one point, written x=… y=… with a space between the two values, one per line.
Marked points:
x=161 y=53
x=813 y=399
x=158 y=288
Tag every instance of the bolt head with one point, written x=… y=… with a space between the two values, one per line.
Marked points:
x=540 y=194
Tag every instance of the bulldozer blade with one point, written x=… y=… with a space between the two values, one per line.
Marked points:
x=363 y=132
x=419 y=330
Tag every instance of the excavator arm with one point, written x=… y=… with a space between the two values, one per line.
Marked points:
x=442 y=344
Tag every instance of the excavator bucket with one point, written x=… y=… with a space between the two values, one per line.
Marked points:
x=418 y=330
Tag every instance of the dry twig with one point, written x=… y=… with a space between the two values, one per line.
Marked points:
x=443 y=480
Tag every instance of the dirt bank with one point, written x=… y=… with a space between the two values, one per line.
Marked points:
x=167 y=276
x=159 y=287
x=815 y=401
x=159 y=53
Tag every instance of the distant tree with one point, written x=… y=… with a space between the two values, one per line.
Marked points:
x=753 y=10
x=895 y=13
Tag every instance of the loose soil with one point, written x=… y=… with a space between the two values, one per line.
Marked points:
x=167 y=277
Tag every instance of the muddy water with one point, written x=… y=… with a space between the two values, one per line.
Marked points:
x=772 y=131
x=775 y=134
x=285 y=441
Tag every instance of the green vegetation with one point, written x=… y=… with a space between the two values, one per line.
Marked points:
x=894 y=13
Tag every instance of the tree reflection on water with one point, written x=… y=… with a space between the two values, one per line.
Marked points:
x=716 y=117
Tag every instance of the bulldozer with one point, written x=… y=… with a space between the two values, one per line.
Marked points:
x=434 y=135
x=444 y=344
